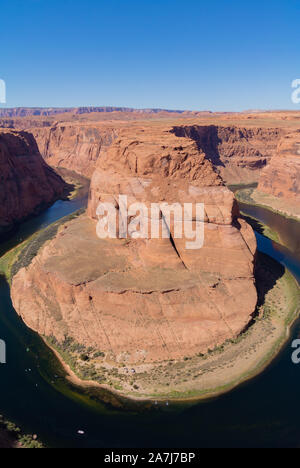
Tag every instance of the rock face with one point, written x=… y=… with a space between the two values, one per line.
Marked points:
x=282 y=176
x=144 y=300
x=27 y=182
x=74 y=146
x=238 y=153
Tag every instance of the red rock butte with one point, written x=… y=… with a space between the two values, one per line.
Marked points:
x=145 y=300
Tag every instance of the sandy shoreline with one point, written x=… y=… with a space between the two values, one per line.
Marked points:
x=255 y=198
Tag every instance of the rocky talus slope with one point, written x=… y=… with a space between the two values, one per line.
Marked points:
x=27 y=183
x=145 y=300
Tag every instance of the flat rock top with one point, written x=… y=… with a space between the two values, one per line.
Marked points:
x=115 y=265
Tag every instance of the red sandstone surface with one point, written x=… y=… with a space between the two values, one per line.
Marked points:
x=27 y=183
x=113 y=292
x=239 y=145
x=281 y=177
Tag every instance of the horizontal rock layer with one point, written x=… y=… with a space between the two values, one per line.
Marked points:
x=282 y=176
x=41 y=111
x=135 y=300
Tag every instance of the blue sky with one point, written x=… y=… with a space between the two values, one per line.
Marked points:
x=177 y=54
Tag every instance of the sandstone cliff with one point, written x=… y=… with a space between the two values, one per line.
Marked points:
x=43 y=111
x=27 y=182
x=239 y=145
x=238 y=153
x=145 y=300
x=282 y=176
x=279 y=184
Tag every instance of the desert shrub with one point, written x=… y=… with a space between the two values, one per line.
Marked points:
x=84 y=357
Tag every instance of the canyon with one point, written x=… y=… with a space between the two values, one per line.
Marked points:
x=37 y=111
x=28 y=184
x=281 y=177
x=153 y=300
x=237 y=153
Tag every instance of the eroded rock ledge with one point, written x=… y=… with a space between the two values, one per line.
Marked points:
x=237 y=153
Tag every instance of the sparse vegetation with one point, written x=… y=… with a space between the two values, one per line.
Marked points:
x=16 y=438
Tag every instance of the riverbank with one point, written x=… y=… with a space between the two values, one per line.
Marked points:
x=253 y=197
x=23 y=236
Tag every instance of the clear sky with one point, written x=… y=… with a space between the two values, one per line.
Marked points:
x=176 y=54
